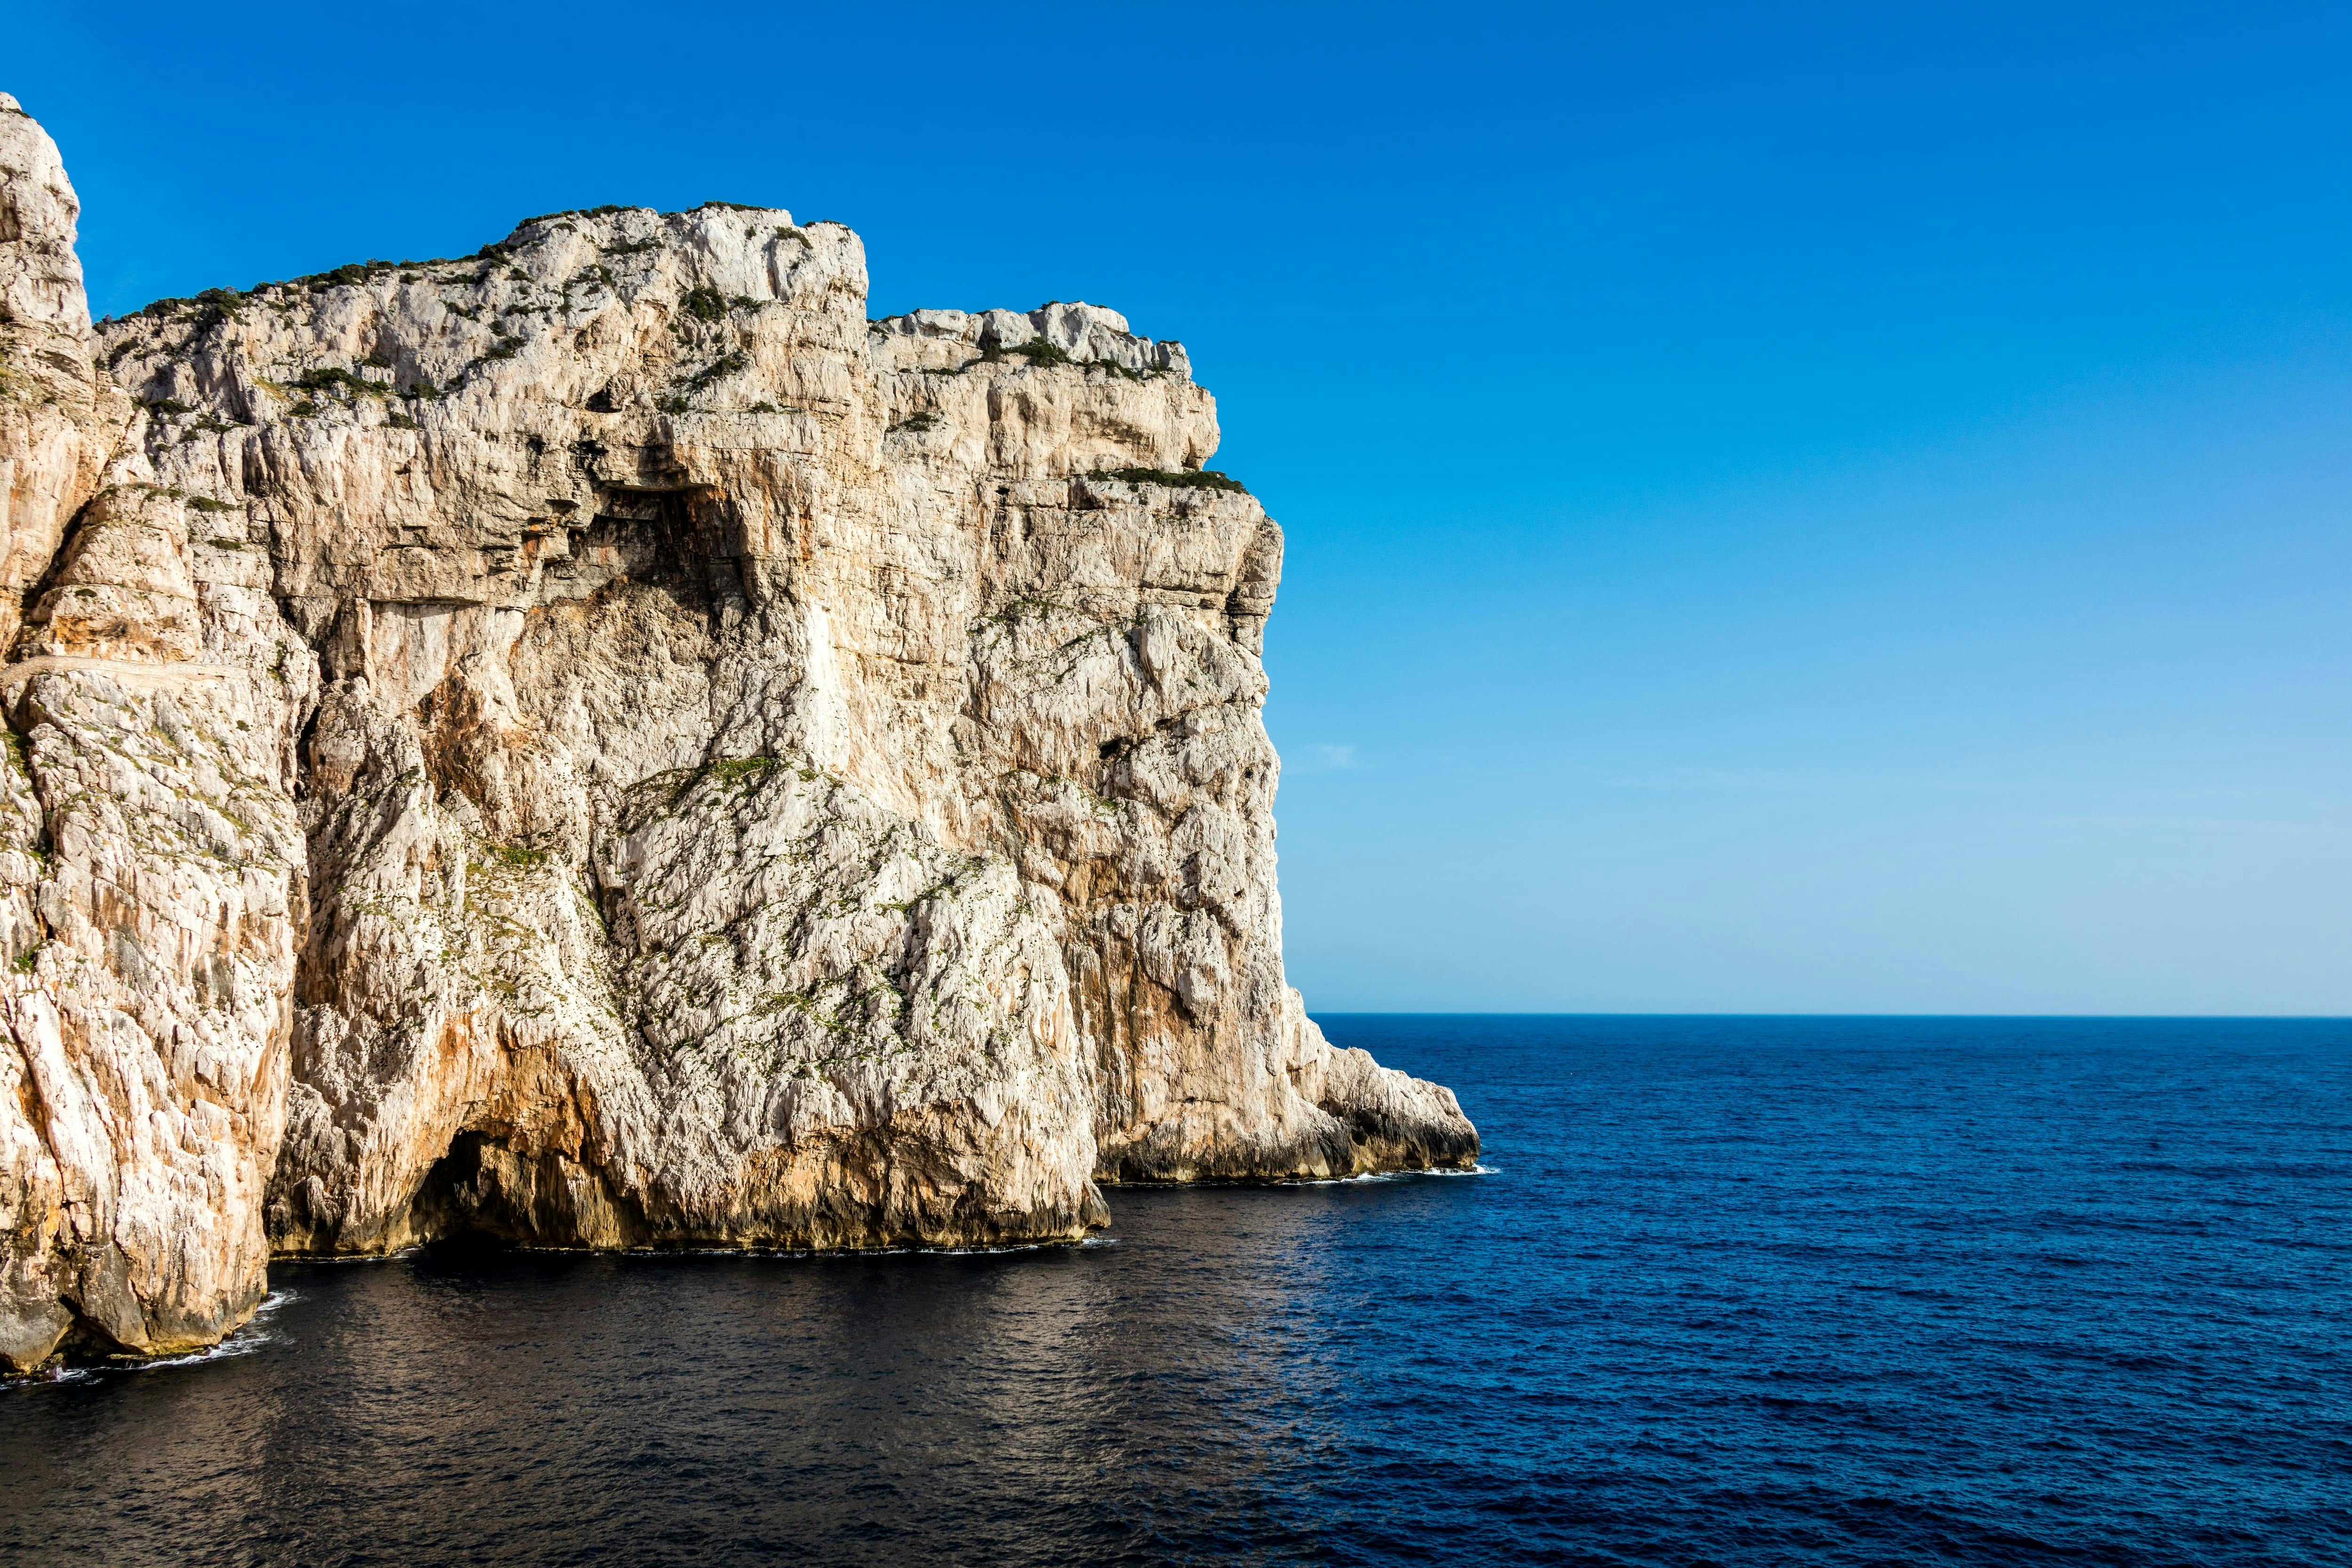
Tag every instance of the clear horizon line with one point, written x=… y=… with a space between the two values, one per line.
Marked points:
x=1554 y=1013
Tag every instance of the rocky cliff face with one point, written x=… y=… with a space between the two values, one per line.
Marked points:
x=601 y=744
x=150 y=855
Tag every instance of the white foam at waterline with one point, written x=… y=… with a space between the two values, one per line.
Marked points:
x=249 y=1337
x=840 y=1252
x=49 y=1376
x=246 y=1339
x=1391 y=1176
x=234 y=1345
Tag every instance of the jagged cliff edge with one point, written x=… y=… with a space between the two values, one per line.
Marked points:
x=599 y=744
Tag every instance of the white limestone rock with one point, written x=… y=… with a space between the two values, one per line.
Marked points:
x=605 y=746
x=153 y=882
x=61 y=416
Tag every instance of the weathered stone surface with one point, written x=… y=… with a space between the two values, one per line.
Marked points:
x=151 y=880
x=151 y=860
x=742 y=775
x=61 y=416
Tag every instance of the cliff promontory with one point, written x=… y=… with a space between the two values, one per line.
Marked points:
x=599 y=744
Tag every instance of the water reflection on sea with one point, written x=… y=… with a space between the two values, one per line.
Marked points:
x=1761 y=1291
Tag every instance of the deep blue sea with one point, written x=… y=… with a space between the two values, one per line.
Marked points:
x=1732 y=1290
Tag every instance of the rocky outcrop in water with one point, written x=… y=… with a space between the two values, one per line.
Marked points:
x=600 y=744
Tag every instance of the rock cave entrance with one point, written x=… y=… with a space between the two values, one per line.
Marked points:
x=486 y=1192
x=462 y=1201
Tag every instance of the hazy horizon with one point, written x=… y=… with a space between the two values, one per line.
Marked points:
x=1823 y=514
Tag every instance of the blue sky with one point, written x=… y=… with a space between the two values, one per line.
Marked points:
x=1791 y=509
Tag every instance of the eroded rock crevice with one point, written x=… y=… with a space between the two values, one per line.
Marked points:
x=599 y=745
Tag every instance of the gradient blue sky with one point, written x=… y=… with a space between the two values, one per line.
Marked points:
x=1791 y=509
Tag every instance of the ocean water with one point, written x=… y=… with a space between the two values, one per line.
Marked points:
x=1729 y=1291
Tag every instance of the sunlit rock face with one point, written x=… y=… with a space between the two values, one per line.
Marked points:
x=601 y=744
x=150 y=854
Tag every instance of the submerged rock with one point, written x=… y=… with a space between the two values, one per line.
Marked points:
x=600 y=744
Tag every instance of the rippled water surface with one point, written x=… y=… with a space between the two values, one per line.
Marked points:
x=1735 y=1291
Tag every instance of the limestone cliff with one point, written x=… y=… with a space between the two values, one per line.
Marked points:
x=150 y=855
x=601 y=744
